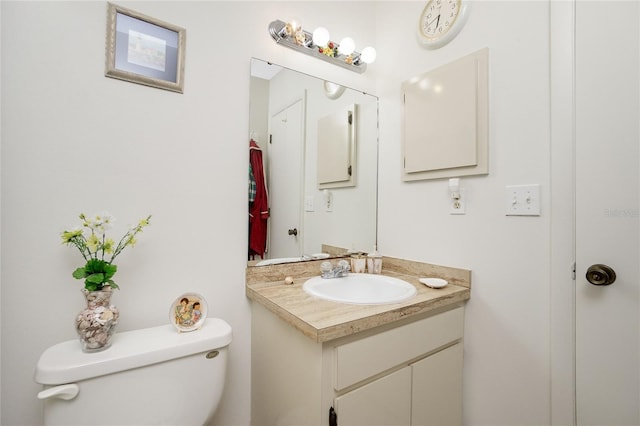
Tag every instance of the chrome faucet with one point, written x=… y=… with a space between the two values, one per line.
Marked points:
x=327 y=270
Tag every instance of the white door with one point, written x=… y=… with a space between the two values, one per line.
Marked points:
x=285 y=182
x=607 y=93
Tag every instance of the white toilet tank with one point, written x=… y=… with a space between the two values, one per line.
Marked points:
x=154 y=376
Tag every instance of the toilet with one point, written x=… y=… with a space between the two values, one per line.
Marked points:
x=150 y=376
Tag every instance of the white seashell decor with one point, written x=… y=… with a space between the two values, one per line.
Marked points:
x=96 y=324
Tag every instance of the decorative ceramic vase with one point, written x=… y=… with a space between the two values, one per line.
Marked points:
x=97 y=323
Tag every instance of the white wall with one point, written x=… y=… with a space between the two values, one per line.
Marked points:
x=506 y=377
x=73 y=141
x=1 y=244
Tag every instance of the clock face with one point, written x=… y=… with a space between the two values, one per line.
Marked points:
x=440 y=21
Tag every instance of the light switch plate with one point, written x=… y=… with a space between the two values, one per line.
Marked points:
x=522 y=200
x=309 y=202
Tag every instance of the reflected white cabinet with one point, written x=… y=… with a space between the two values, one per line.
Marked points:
x=337 y=148
x=407 y=374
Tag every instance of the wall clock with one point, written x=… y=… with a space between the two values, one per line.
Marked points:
x=441 y=20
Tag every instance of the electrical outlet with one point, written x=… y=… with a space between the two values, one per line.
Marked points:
x=457 y=206
x=522 y=200
x=328 y=200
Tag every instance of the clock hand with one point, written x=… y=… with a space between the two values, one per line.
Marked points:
x=437 y=19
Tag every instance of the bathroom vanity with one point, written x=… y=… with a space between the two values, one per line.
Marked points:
x=395 y=364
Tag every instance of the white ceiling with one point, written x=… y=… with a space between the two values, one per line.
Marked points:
x=264 y=70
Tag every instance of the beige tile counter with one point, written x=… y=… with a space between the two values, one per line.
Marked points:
x=323 y=320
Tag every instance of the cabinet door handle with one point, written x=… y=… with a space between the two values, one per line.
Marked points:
x=333 y=417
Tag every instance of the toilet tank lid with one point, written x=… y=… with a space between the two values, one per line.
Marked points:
x=66 y=363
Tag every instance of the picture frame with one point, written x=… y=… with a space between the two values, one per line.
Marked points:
x=188 y=312
x=144 y=50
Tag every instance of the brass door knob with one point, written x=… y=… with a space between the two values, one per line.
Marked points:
x=599 y=274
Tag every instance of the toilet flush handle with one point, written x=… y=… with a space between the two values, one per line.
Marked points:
x=66 y=392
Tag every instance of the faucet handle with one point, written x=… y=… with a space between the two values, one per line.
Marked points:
x=325 y=268
x=344 y=265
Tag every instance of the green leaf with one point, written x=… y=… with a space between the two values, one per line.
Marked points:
x=109 y=271
x=92 y=286
x=94 y=265
x=113 y=284
x=97 y=278
x=79 y=273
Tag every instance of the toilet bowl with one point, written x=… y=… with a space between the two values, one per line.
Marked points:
x=151 y=376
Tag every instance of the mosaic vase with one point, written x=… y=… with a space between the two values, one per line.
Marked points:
x=97 y=322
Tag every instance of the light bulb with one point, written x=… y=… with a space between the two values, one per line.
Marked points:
x=368 y=55
x=346 y=46
x=295 y=24
x=320 y=36
x=292 y=26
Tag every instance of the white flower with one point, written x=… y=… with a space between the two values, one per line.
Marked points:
x=107 y=221
x=101 y=223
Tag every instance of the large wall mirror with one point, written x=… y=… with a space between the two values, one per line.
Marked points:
x=314 y=147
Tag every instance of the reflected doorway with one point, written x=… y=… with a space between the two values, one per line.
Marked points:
x=285 y=181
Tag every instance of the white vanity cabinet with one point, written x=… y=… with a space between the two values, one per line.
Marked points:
x=385 y=401
x=405 y=373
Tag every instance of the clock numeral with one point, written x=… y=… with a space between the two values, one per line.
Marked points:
x=438 y=19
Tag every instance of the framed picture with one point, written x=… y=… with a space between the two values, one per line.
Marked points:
x=144 y=50
x=188 y=312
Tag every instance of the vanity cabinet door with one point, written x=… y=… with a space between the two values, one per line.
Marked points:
x=364 y=358
x=437 y=388
x=383 y=402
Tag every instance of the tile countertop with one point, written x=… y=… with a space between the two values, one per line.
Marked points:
x=324 y=320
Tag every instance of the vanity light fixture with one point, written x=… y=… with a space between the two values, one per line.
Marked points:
x=319 y=45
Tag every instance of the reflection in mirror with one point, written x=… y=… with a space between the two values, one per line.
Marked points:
x=293 y=217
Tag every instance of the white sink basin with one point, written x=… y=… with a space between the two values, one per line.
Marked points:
x=361 y=289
